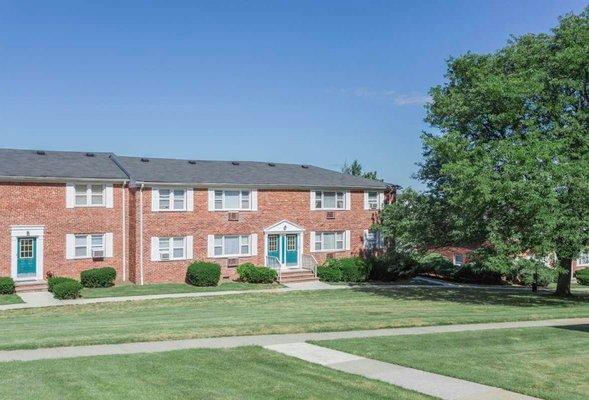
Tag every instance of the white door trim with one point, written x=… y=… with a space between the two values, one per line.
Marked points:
x=20 y=231
x=282 y=235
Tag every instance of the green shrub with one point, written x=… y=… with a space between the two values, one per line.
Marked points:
x=582 y=276
x=6 y=285
x=98 y=277
x=248 y=272
x=525 y=272
x=352 y=269
x=434 y=263
x=476 y=272
x=329 y=274
x=391 y=266
x=56 y=280
x=67 y=290
x=203 y=273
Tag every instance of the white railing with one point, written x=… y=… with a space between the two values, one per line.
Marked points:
x=274 y=263
x=310 y=263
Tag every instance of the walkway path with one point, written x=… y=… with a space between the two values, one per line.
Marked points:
x=45 y=299
x=436 y=385
x=261 y=340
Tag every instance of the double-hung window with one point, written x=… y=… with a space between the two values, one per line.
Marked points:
x=583 y=259
x=233 y=200
x=373 y=240
x=172 y=199
x=329 y=241
x=89 y=195
x=458 y=259
x=232 y=245
x=373 y=200
x=85 y=245
x=326 y=200
x=172 y=248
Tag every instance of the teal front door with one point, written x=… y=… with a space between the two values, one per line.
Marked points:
x=291 y=250
x=26 y=257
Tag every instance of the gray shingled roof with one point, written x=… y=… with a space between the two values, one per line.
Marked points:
x=57 y=164
x=81 y=165
x=259 y=174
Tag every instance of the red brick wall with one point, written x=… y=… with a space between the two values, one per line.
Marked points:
x=449 y=252
x=44 y=204
x=273 y=206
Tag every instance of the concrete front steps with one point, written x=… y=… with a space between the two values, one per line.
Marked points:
x=31 y=286
x=299 y=275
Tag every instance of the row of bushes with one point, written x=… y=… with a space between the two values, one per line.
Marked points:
x=352 y=269
x=582 y=276
x=202 y=273
x=64 y=288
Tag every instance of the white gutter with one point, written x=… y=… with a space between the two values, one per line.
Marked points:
x=141 y=233
x=258 y=186
x=58 y=179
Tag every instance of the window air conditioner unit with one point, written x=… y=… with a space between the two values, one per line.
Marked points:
x=165 y=256
x=232 y=262
x=233 y=216
x=331 y=215
x=97 y=254
x=373 y=206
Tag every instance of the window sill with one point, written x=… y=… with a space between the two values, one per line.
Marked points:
x=232 y=256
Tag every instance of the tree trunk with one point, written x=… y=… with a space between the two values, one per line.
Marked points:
x=563 y=284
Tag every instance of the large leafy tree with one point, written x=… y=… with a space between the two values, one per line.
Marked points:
x=510 y=160
x=356 y=169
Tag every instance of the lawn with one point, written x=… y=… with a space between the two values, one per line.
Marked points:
x=9 y=299
x=244 y=373
x=550 y=363
x=265 y=313
x=168 y=288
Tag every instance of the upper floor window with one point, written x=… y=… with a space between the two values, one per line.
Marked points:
x=89 y=195
x=172 y=199
x=233 y=200
x=583 y=259
x=373 y=200
x=327 y=200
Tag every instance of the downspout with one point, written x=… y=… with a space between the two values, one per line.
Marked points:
x=141 y=233
x=124 y=235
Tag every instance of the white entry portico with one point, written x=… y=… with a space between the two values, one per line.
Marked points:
x=283 y=245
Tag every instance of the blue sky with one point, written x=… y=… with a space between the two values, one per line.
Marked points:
x=316 y=82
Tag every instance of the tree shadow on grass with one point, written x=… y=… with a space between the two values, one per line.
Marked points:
x=579 y=328
x=479 y=296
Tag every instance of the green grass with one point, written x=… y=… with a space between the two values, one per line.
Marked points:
x=550 y=363
x=169 y=288
x=9 y=299
x=265 y=313
x=244 y=373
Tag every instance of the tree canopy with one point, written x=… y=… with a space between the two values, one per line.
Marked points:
x=355 y=168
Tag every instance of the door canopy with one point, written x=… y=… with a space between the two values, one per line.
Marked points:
x=284 y=226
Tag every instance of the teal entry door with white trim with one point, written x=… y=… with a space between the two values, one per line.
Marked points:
x=26 y=261
x=285 y=248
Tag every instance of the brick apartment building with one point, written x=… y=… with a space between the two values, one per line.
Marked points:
x=63 y=212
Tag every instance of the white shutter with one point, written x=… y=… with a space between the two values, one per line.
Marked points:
x=312 y=199
x=70 y=246
x=348 y=239
x=70 y=195
x=189 y=199
x=108 y=245
x=365 y=245
x=155 y=249
x=312 y=241
x=366 y=205
x=189 y=247
x=155 y=199
x=254 y=244
x=254 y=199
x=348 y=196
x=211 y=200
x=381 y=200
x=108 y=196
x=210 y=245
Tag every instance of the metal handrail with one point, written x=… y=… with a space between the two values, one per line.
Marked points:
x=274 y=263
x=310 y=263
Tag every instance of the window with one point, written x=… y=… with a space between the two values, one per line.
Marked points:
x=583 y=259
x=373 y=200
x=329 y=241
x=89 y=195
x=172 y=199
x=232 y=245
x=26 y=248
x=272 y=243
x=458 y=259
x=330 y=200
x=233 y=200
x=172 y=248
x=291 y=242
x=86 y=244
x=373 y=240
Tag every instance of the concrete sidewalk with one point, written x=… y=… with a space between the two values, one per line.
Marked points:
x=436 y=385
x=261 y=340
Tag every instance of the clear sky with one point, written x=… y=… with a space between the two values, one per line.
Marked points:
x=316 y=82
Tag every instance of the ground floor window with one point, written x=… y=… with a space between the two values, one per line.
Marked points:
x=88 y=246
x=458 y=259
x=172 y=248
x=232 y=245
x=329 y=241
x=583 y=259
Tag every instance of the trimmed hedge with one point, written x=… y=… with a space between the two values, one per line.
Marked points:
x=203 y=273
x=248 y=272
x=6 y=285
x=56 y=280
x=98 y=277
x=352 y=269
x=582 y=276
x=67 y=290
x=526 y=271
